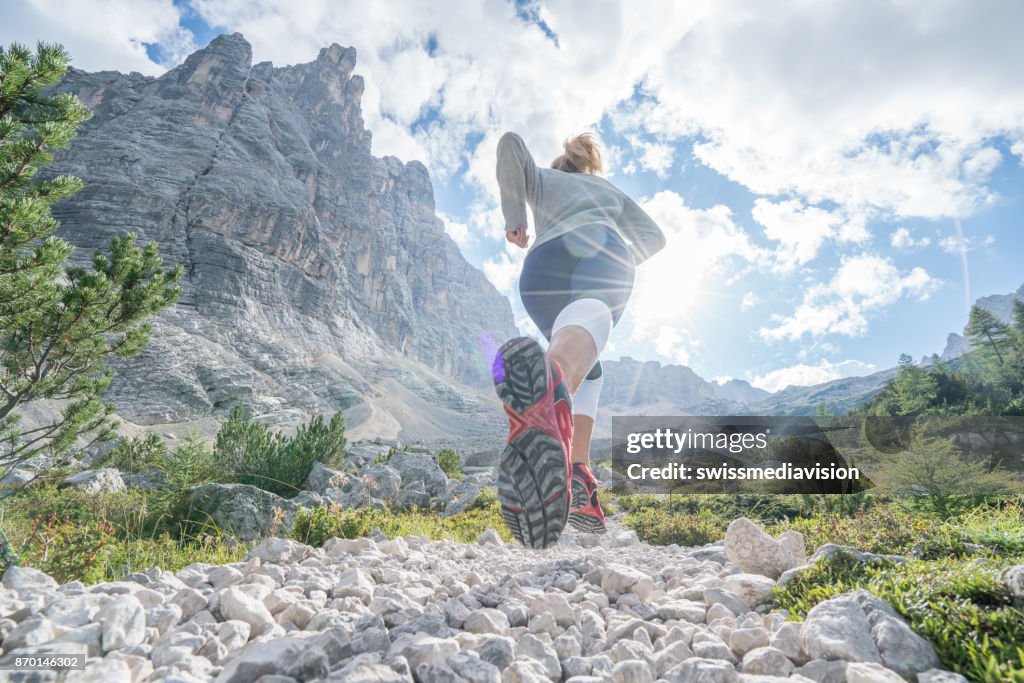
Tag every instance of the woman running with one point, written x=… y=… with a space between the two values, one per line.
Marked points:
x=575 y=283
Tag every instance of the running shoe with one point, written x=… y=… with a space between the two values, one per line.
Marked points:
x=534 y=470
x=585 y=514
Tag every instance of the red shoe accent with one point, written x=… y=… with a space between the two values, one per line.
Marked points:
x=547 y=415
x=586 y=513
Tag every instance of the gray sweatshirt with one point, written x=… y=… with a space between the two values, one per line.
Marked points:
x=563 y=201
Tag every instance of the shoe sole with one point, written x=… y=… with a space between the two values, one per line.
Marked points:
x=581 y=521
x=532 y=474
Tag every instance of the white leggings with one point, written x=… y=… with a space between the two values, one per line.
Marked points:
x=595 y=317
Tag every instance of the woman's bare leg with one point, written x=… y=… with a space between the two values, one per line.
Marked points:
x=582 y=430
x=575 y=350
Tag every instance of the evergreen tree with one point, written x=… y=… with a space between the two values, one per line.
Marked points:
x=915 y=389
x=58 y=324
x=1018 y=319
x=989 y=335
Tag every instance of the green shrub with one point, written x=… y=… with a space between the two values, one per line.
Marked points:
x=190 y=464
x=253 y=454
x=138 y=453
x=487 y=497
x=450 y=463
x=960 y=606
x=384 y=456
x=662 y=527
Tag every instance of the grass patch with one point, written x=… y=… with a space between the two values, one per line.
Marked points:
x=315 y=526
x=661 y=527
x=72 y=535
x=959 y=605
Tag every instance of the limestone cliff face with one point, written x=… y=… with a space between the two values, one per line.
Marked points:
x=314 y=270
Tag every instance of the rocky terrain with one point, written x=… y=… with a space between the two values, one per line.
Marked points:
x=371 y=610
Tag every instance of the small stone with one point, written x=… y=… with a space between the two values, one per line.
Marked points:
x=632 y=671
x=237 y=604
x=824 y=671
x=767 y=661
x=867 y=672
x=490 y=537
x=728 y=599
x=123 y=622
x=531 y=647
x=753 y=589
x=222 y=577
x=473 y=669
x=487 y=620
x=497 y=651
x=787 y=640
x=354 y=582
x=32 y=631
x=755 y=552
x=619 y=579
x=27 y=579
x=838 y=629
x=743 y=640
x=700 y=670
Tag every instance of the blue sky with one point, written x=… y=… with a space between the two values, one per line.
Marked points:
x=837 y=180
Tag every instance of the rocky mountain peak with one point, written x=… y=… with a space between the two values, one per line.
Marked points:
x=337 y=57
x=227 y=60
x=317 y=274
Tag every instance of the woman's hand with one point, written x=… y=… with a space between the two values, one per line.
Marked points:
x=518 y=237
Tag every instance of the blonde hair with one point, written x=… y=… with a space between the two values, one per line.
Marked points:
x=582 y=155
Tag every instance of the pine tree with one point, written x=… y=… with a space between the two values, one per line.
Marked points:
x=58 y=324
x=915 y=389
x=1018 y=317
x=989 y=335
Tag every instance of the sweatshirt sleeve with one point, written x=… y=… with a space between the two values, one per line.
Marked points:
x=647 y=237
x=517 y=179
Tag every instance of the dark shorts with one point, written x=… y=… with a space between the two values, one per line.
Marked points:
x=591 y=262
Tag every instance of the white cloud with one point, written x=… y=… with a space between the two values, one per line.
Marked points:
x=456 y=230
x=1018 y=150
x=808 y=375
x=862 y=284
x=870 y=123
x=956 y=244
x=102 y=34
x=799 y=230
x=651 y=156
x=902 y=239
x=503 y=270
x=671 y=343
x=749 y=301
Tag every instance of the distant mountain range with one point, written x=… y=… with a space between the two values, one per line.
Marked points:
x=649 y=388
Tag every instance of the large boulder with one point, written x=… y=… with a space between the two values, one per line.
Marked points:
x=860 y=627
x=755 y=552
x=1013 y=577
x=375 y=485
x=418 y=467
x=321 y=477
x=240 y=510
x=461 y=497
x=106 y=480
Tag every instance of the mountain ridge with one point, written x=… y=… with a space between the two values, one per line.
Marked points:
x=314 y=270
